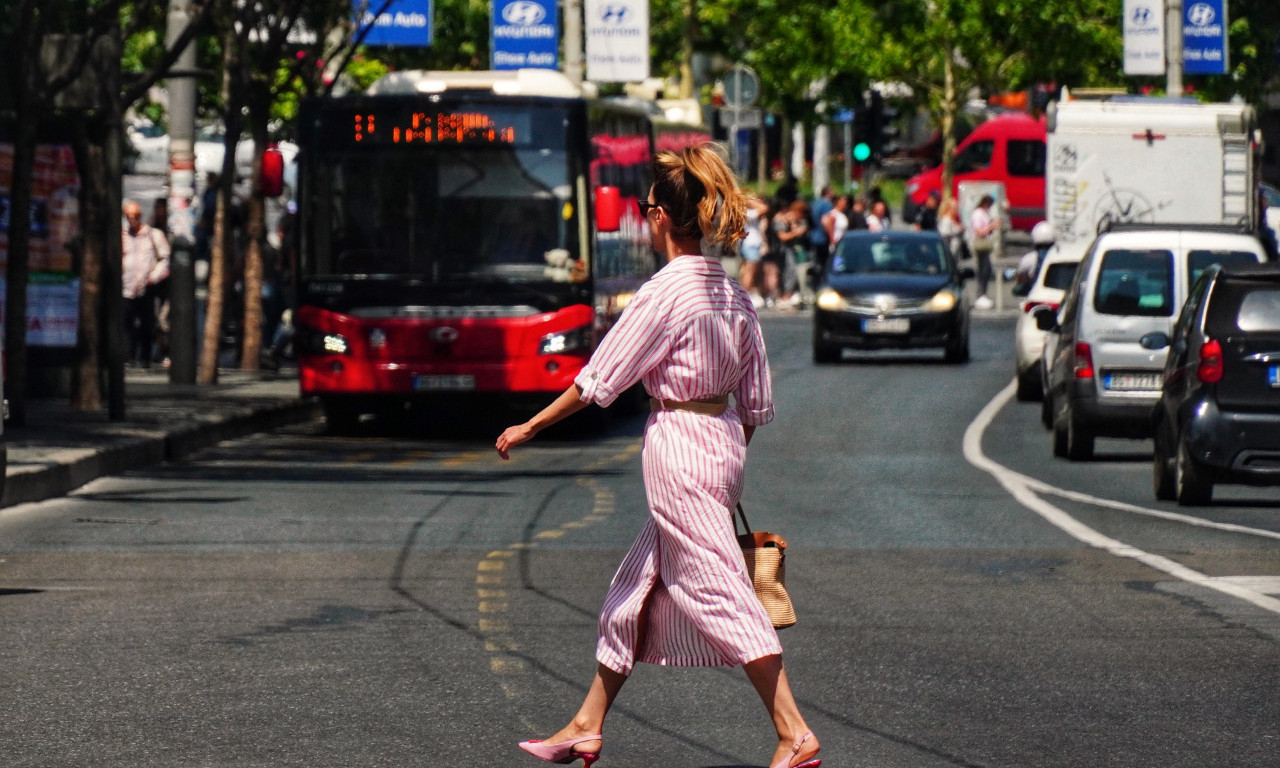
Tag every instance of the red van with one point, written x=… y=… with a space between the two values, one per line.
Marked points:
x=1009 y=149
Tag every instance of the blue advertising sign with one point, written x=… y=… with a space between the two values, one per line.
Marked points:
x=525 y=33
x=1204 y=37
x=403 y=22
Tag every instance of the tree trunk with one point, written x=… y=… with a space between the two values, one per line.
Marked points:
x=86 y=383
x=251 y=346
x=219 y=244
x=949 y=108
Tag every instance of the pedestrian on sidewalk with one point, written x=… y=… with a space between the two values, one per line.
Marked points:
x=982 y=239
x=682 y=596
x=145 y=264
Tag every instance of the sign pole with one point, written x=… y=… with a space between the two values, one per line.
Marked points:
x=1173 y=47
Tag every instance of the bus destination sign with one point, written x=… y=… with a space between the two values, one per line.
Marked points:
x=369 y=127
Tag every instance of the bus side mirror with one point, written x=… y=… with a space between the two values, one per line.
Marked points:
x=271 y=179
x=608 y=209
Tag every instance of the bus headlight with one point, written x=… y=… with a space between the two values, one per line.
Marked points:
x=942 y=301
x=334 y=344
x=566 y=342
x=831 y=300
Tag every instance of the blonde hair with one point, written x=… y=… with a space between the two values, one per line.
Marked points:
x=698 y=190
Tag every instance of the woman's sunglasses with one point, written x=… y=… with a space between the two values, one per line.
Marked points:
x=646 y=206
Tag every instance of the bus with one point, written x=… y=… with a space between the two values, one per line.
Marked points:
x=464 y=234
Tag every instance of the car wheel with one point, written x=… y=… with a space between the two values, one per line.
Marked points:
x=957 y=351
x=1059 y=440
x=1192 y=489
x=1079 y=439
x=1029 y=388
x=340 y=418
x=825 y=353
x=1163 y=467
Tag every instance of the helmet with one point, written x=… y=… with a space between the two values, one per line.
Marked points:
x=1042 y=234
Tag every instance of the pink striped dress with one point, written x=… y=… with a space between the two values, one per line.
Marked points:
x=681 y=595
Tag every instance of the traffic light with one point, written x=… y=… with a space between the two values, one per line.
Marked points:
x=861 y=132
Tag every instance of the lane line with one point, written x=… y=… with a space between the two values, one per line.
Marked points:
x=1024 y=490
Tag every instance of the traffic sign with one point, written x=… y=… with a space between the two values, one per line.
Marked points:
x=741 y=86
x=741 y=117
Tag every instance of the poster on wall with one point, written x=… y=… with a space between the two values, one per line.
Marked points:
x=53 y=292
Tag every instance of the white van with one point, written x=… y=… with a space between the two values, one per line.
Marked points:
x=1132 y=282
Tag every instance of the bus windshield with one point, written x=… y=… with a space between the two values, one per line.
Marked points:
x=464 y=209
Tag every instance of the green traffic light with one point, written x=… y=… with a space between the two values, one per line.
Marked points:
x=861 y=151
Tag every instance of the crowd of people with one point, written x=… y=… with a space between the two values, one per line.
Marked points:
x=789 y=238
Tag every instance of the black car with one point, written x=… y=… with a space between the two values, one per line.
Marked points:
x=1218 y=418
x=891 y=290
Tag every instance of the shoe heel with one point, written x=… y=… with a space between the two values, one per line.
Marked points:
x=588 y=758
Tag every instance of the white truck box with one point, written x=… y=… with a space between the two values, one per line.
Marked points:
x=1133 y=159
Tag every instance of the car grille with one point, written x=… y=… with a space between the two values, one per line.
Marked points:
x=886 y=305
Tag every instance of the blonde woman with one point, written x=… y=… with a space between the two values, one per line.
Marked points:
x=681 y=595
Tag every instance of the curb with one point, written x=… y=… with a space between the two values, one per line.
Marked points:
x=70 y=469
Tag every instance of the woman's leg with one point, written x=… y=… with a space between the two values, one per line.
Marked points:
x=770 y=681
x=590 y=717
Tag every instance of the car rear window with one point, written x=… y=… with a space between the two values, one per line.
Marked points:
x=1243 y=306
x=1060 y=275
x=1199 y=261
x=1135 y=283
x=1026 y=158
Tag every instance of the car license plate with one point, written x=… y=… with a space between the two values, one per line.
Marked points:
x=886 y=325
x=1131 y=382
x=460 y=383
x=1273 y=376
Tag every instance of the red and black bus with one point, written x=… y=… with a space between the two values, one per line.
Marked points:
x=464 y=232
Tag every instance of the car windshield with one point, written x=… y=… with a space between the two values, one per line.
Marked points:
x=911 y=256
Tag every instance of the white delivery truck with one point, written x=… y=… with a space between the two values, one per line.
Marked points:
x=1128 y=159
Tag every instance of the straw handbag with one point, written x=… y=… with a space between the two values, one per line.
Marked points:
x=765 y=554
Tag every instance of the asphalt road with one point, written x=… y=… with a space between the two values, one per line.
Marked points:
x=402 y=597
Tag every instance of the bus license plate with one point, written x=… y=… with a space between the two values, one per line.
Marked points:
x=886 y=325
x=1273 y=376
x=1131 y=382
x=460 y=383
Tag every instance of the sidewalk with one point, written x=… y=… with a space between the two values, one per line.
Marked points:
x=59 y=449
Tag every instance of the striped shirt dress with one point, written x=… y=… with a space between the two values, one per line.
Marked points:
x=682 y=595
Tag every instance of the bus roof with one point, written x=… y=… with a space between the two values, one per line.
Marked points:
x=515 y=82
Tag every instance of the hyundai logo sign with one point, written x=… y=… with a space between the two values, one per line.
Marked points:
x=1141 y=15
x=523 y=13
x=1201 y=15
x=615 y=13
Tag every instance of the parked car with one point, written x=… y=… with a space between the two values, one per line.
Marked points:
x=1009 y=149
x=1132 y=281
x=1218 y=418
x=891 y=290
x=150 y=152
x=1050 y=286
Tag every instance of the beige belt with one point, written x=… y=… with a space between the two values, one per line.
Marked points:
x=709 y=406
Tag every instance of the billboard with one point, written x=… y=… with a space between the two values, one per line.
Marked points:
x=617 y=40
x=1143 y=37
x=402 y=22
x=524 y=33
x=1204 y=37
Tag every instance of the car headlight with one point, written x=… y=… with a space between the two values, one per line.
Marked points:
x=942 y=301
x=831 y=301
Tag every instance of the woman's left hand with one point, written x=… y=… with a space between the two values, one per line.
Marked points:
x=511 y=437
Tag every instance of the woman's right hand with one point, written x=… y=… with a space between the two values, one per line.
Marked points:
x=511 y=437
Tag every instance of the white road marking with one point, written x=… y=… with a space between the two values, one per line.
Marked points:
x=1024 y=489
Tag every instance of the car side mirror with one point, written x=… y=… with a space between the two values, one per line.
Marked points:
x=608 y=209
x=1046 y=318
x=967 y=273
x=1154 y=340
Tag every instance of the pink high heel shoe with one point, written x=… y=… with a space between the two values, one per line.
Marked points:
x=812 y=762
x=562 y=752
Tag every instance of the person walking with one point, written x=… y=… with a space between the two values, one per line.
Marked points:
x=681 y=595
x=145 y=264
x=982 y=230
